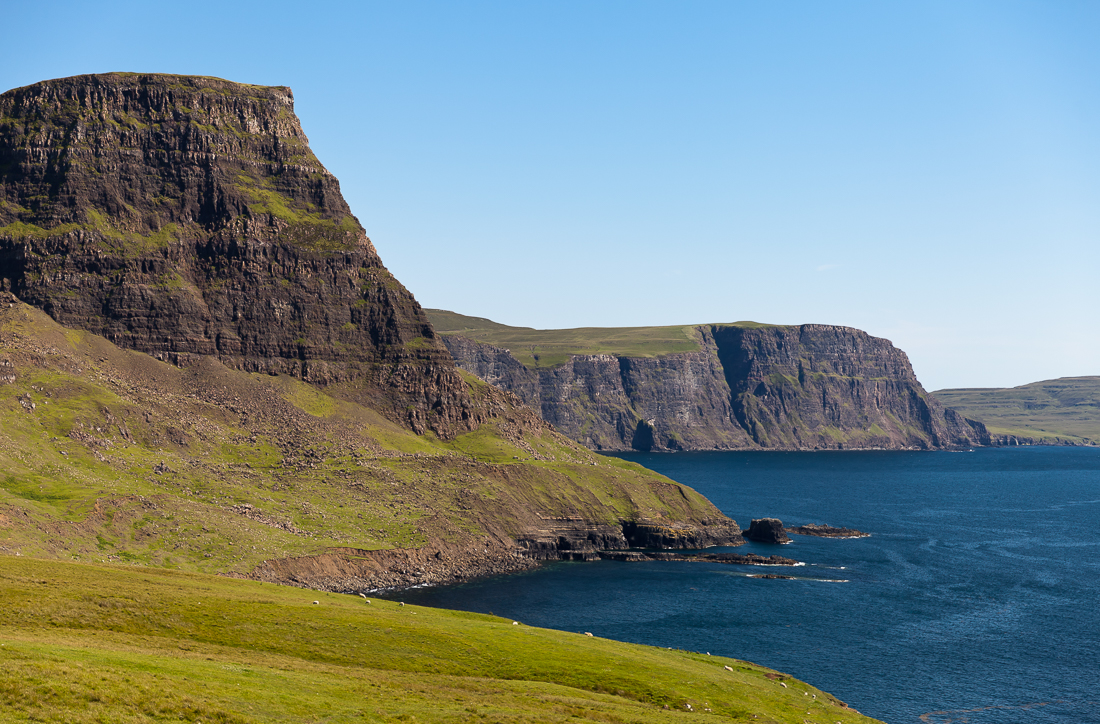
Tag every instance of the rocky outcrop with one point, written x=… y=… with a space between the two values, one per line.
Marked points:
x=184 y=216
x=826 y=531
x=348 y=570
x=187 y=219
x=766 y=530
x=354 y=571
x=748 y=386
x=574 y=539
x=732 y=559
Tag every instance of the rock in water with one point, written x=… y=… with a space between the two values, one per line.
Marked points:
x=183 y=216
x=767 y=530
x=826 y=531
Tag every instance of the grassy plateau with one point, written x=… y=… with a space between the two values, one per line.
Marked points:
x=110 y=643
x=1066 y=409
x=552 y=347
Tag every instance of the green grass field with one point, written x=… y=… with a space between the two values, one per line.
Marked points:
x=1066 y=409
x=551 y=347
x=84 y=643
x=108 y=455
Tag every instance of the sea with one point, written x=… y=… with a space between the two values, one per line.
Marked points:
x=975 y=598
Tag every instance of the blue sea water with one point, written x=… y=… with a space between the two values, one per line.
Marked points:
x=976 y=598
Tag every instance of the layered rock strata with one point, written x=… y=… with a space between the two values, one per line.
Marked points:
x=574 y=539
x=184 y=216
x=187 y=218
x=747 y=387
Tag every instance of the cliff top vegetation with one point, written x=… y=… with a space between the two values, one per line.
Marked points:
x=551 y=347
x=1065 y=409
x=126 y=157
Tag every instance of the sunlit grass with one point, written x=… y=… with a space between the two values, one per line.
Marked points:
x=93 y=643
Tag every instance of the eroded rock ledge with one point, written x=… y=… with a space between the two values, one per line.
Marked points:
x=733 y=559
x=350 y=570
x=826 y=531
x=572 y=539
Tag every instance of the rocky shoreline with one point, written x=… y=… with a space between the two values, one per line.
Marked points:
x=395 y=570
x=349 y=570
x=733 y=559
x=352 y=570
x=360 y=571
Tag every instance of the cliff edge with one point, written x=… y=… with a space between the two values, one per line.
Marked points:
x=744 y=386
x=182 y=216
x=207 y=366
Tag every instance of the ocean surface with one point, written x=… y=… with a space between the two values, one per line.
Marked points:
x=976 y=598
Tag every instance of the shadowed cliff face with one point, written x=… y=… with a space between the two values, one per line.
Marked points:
x=820 y=386
x=807 y=387
x=187 y=216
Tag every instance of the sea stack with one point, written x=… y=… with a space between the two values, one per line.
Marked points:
x=766 y=530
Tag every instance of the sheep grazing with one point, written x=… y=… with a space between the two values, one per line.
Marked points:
x=316 y=603
x=587 y=634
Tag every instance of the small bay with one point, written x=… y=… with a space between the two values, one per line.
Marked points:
x=974 y=599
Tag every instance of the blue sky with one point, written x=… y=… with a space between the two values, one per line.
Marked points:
x=926 y=171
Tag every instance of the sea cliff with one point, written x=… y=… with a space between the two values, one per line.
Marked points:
x=206 y=364
x=182 y=216
x=747 y=386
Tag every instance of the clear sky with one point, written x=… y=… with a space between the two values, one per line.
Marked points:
x=926 y=171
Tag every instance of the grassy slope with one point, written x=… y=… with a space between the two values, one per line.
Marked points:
x=109 y=455
x=99 y=643
x=551 y=347
x=1067 y=408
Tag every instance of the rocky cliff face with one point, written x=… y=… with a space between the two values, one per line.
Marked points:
x=187 y=218
x=806 y=387
x=820 y=386
x=183 y=216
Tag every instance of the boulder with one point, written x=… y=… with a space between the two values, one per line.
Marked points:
x=767 y=530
